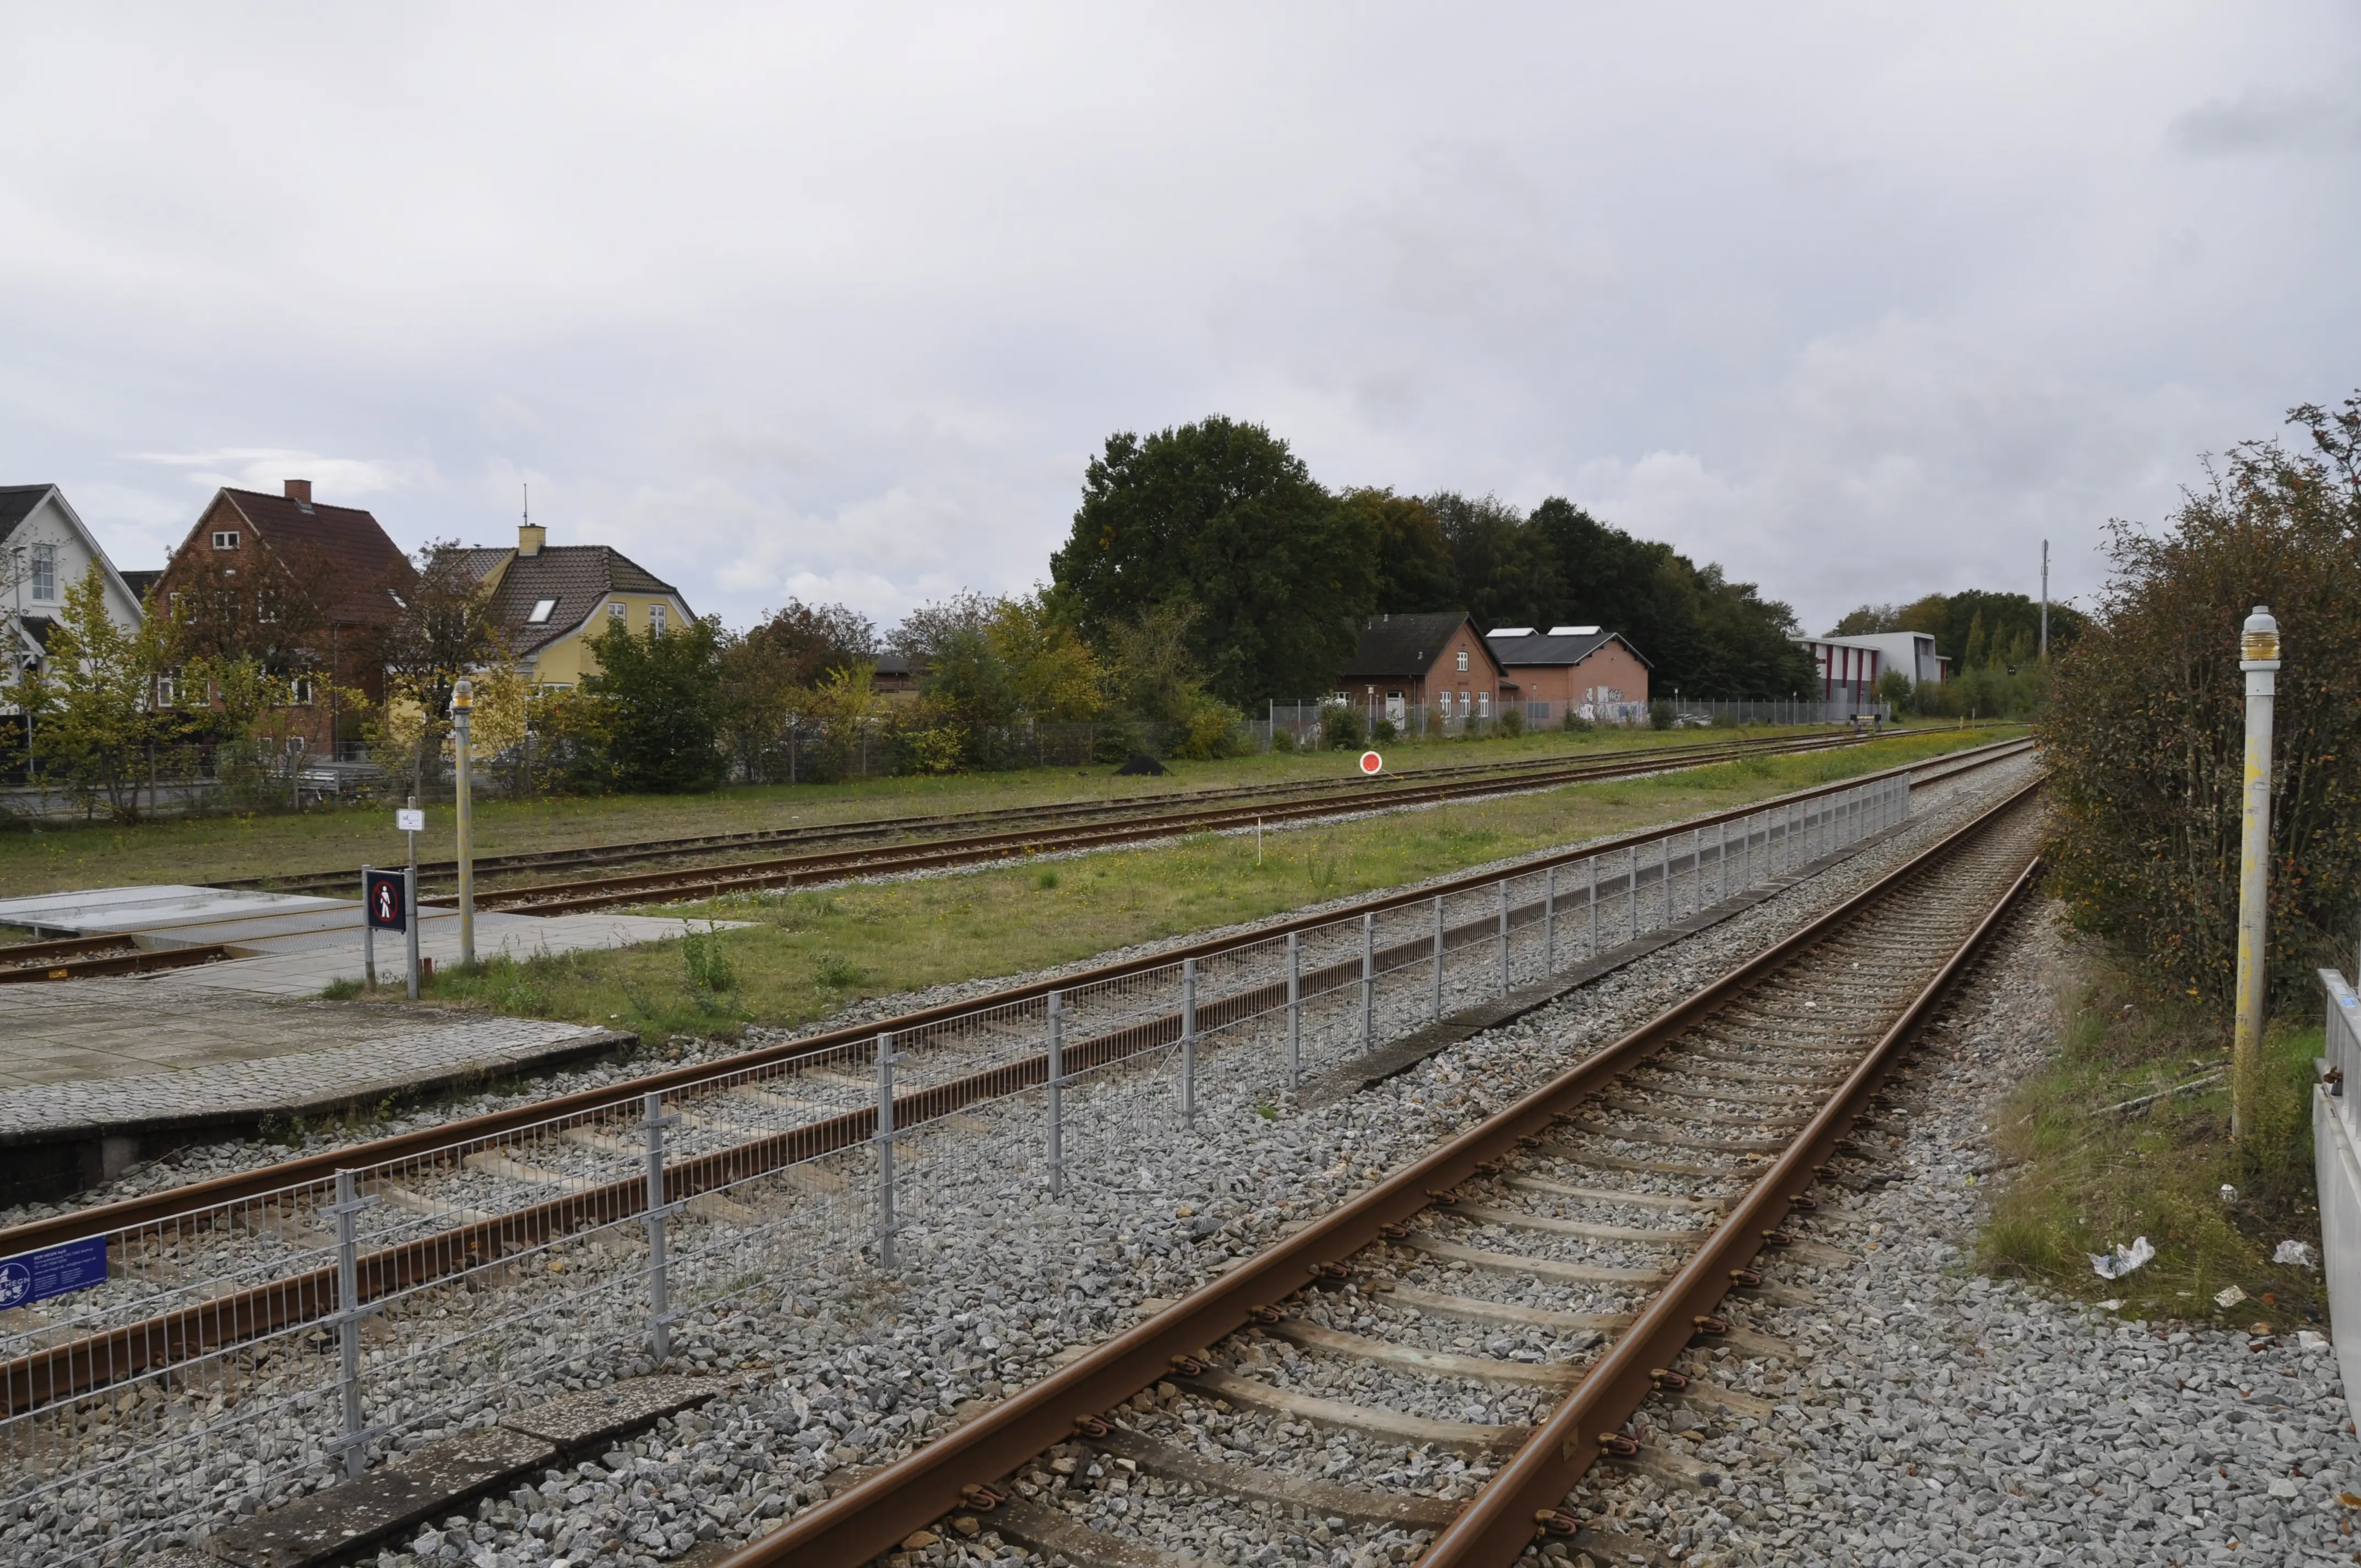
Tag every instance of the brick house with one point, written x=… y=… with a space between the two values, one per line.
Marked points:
x=235 y=580
x=1436 y=661
x=1574 y=669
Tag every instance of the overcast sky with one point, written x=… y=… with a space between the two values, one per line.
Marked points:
x=1862 y=301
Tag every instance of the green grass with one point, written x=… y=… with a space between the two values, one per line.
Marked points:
x=2086 y=1178
x=805 y=955
x=54 y=858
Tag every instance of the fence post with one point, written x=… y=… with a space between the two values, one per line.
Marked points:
x=1664 y=872
x=1504 y=936
x=1188 y=1042
x=349 y=1312
x=1591 y=876
x=1368 y=980
x=1438 y=958
x=660 y=1312
x=1549 y=921
x=1294 y=1010
x=885 y=1221
x=1720 y=862
x=1633 y=902
x=1056 y=1095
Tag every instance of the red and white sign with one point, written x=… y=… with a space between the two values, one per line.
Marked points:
x=1372 y=764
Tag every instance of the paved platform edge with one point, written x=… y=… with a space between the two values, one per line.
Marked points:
x=591 y=1041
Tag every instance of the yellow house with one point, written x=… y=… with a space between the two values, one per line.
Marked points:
x=553 y=598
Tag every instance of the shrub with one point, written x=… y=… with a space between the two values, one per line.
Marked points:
x=1282 y=739
x=1576 y=724
x=1659 y=716
x=1512 y=718
x=2145 y=734
x=1383 y=730
x=1340 y=726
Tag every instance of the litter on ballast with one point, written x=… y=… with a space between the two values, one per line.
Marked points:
x=2115 y=1306
x=2310 y=1341
x=2297 y=1252
x=2228 y=1296
x=2122 y=1260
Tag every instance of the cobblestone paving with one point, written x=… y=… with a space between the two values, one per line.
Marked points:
x=104 y=1054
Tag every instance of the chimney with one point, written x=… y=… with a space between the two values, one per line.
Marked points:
x=300 y=490
x=530 y=537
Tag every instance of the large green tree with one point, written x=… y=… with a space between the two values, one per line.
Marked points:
x=1220 y=517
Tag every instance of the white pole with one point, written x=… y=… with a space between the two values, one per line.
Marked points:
x=2259 y=658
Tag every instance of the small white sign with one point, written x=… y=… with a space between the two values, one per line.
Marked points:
x=409 y=820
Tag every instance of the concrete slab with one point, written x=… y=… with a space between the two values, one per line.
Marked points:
x=412 y=1490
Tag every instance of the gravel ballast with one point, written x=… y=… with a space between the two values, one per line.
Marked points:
x=833 y=1367
x=1937 y=1416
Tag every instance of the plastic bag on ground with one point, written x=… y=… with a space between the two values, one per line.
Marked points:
x=2122 y=1260
x=2296 y=1252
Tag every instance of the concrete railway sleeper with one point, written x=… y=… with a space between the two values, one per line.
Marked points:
x=1385 y=1416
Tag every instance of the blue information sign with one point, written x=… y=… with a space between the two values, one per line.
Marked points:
x=32 y=1276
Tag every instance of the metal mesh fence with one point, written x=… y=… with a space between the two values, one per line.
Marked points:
x=233 y=1354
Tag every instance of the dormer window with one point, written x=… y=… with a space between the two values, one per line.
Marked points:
x=542 y=610
x=226 y=539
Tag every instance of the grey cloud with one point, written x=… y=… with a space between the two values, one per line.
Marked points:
x=2266 y=121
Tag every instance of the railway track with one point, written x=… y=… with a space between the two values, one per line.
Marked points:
x=752 y=876
x=224 y=1286
x=1429 y=1370
x=131 y=1215
x=958 y=837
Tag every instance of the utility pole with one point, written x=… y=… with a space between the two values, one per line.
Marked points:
x=463 y=709
x=2258 y=656
x=2045 y=602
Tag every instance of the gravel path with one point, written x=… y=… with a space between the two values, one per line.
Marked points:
x=1940 y=1417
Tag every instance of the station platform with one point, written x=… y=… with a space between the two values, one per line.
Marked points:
x=293 y=945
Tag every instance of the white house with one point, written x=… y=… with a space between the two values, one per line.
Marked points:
x=44 y=550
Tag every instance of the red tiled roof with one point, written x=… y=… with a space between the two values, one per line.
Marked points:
x=364 y=559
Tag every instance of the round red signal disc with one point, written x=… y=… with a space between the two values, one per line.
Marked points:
x=1371 y=762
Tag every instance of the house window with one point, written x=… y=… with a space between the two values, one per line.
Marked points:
x=617 y=610
x=1483 y=704
x=1463 y=658
x=542 y=610
x=168 y=691
x=301 y=686
x=45 y=571
x=655 y=621
x=226 y=539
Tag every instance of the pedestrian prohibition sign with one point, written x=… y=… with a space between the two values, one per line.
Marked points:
x=1371 y=764
x=388 y=909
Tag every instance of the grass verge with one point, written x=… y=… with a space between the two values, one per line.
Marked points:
x=2093 y=1170
x=805 y=955
x=50 y=858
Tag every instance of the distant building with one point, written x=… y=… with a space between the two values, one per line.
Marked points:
x=553 y=600
x=1584 y=669
x=1433 y=660
x=895 y=672
x=44 y=551
x=248 y=548
x=1849 y=668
